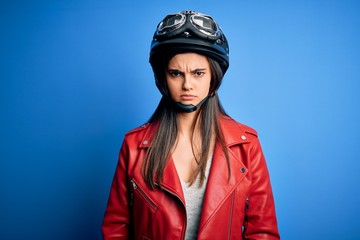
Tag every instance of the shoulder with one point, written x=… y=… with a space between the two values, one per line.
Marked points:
x=231 y=123
x=247 y=129
x=141 y=135
x=139 y=129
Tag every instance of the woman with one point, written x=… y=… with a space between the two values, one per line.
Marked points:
x=191 y=172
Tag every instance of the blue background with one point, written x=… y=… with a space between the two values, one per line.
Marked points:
x=75 y=77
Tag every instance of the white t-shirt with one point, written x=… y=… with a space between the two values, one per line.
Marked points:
x=194 y=196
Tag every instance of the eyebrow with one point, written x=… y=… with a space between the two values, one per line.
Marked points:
x=193 y=71
x=199 y=70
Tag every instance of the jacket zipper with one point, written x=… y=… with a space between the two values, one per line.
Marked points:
x=139 y=190
x=247 y=203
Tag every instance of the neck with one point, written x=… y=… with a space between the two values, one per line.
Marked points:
x=187 y=122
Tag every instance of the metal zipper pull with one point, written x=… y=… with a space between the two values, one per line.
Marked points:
x=132 y=193
x=247 y=203
x=133 y=184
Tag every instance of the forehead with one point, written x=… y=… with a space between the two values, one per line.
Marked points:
x=188 y=60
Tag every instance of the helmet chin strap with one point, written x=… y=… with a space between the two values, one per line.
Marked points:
x=188 y=108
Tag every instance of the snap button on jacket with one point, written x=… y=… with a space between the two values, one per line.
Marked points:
x=241 y=207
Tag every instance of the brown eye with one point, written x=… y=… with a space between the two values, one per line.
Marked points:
x=199 y=73
x=175 y=73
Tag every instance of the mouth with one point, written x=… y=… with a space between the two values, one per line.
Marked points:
x=187 y=97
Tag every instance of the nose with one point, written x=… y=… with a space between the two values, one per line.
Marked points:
x=187 y=85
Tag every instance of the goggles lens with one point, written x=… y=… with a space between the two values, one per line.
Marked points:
x=170 y=23
x=204 y=24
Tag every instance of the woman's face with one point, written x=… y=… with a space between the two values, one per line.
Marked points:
x=188 y=78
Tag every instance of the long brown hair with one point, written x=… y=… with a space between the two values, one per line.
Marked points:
x=165 y=137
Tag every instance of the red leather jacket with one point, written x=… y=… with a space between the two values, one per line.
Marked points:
x=239 y=208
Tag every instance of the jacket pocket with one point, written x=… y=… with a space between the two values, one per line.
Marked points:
x=138 y=191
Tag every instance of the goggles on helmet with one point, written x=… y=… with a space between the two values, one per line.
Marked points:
x=199 y=24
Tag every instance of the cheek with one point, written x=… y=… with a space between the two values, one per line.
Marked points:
x=207 y=86
x=171 y=86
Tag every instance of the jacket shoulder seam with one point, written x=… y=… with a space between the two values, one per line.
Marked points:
x=248 y=129
x=137 y=129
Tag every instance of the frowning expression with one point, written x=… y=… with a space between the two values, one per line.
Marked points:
x=188 y=78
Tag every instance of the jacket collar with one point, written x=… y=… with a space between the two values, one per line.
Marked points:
x=233 y=133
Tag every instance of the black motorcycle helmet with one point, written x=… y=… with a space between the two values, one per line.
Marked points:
x=187 y=31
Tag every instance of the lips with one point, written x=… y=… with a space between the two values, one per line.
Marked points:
x=187 y=97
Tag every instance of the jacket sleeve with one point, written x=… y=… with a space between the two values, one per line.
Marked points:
x=117 y=214
x=260 y=216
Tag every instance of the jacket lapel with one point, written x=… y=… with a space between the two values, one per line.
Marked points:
x=219 y=187
x=171 y=182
